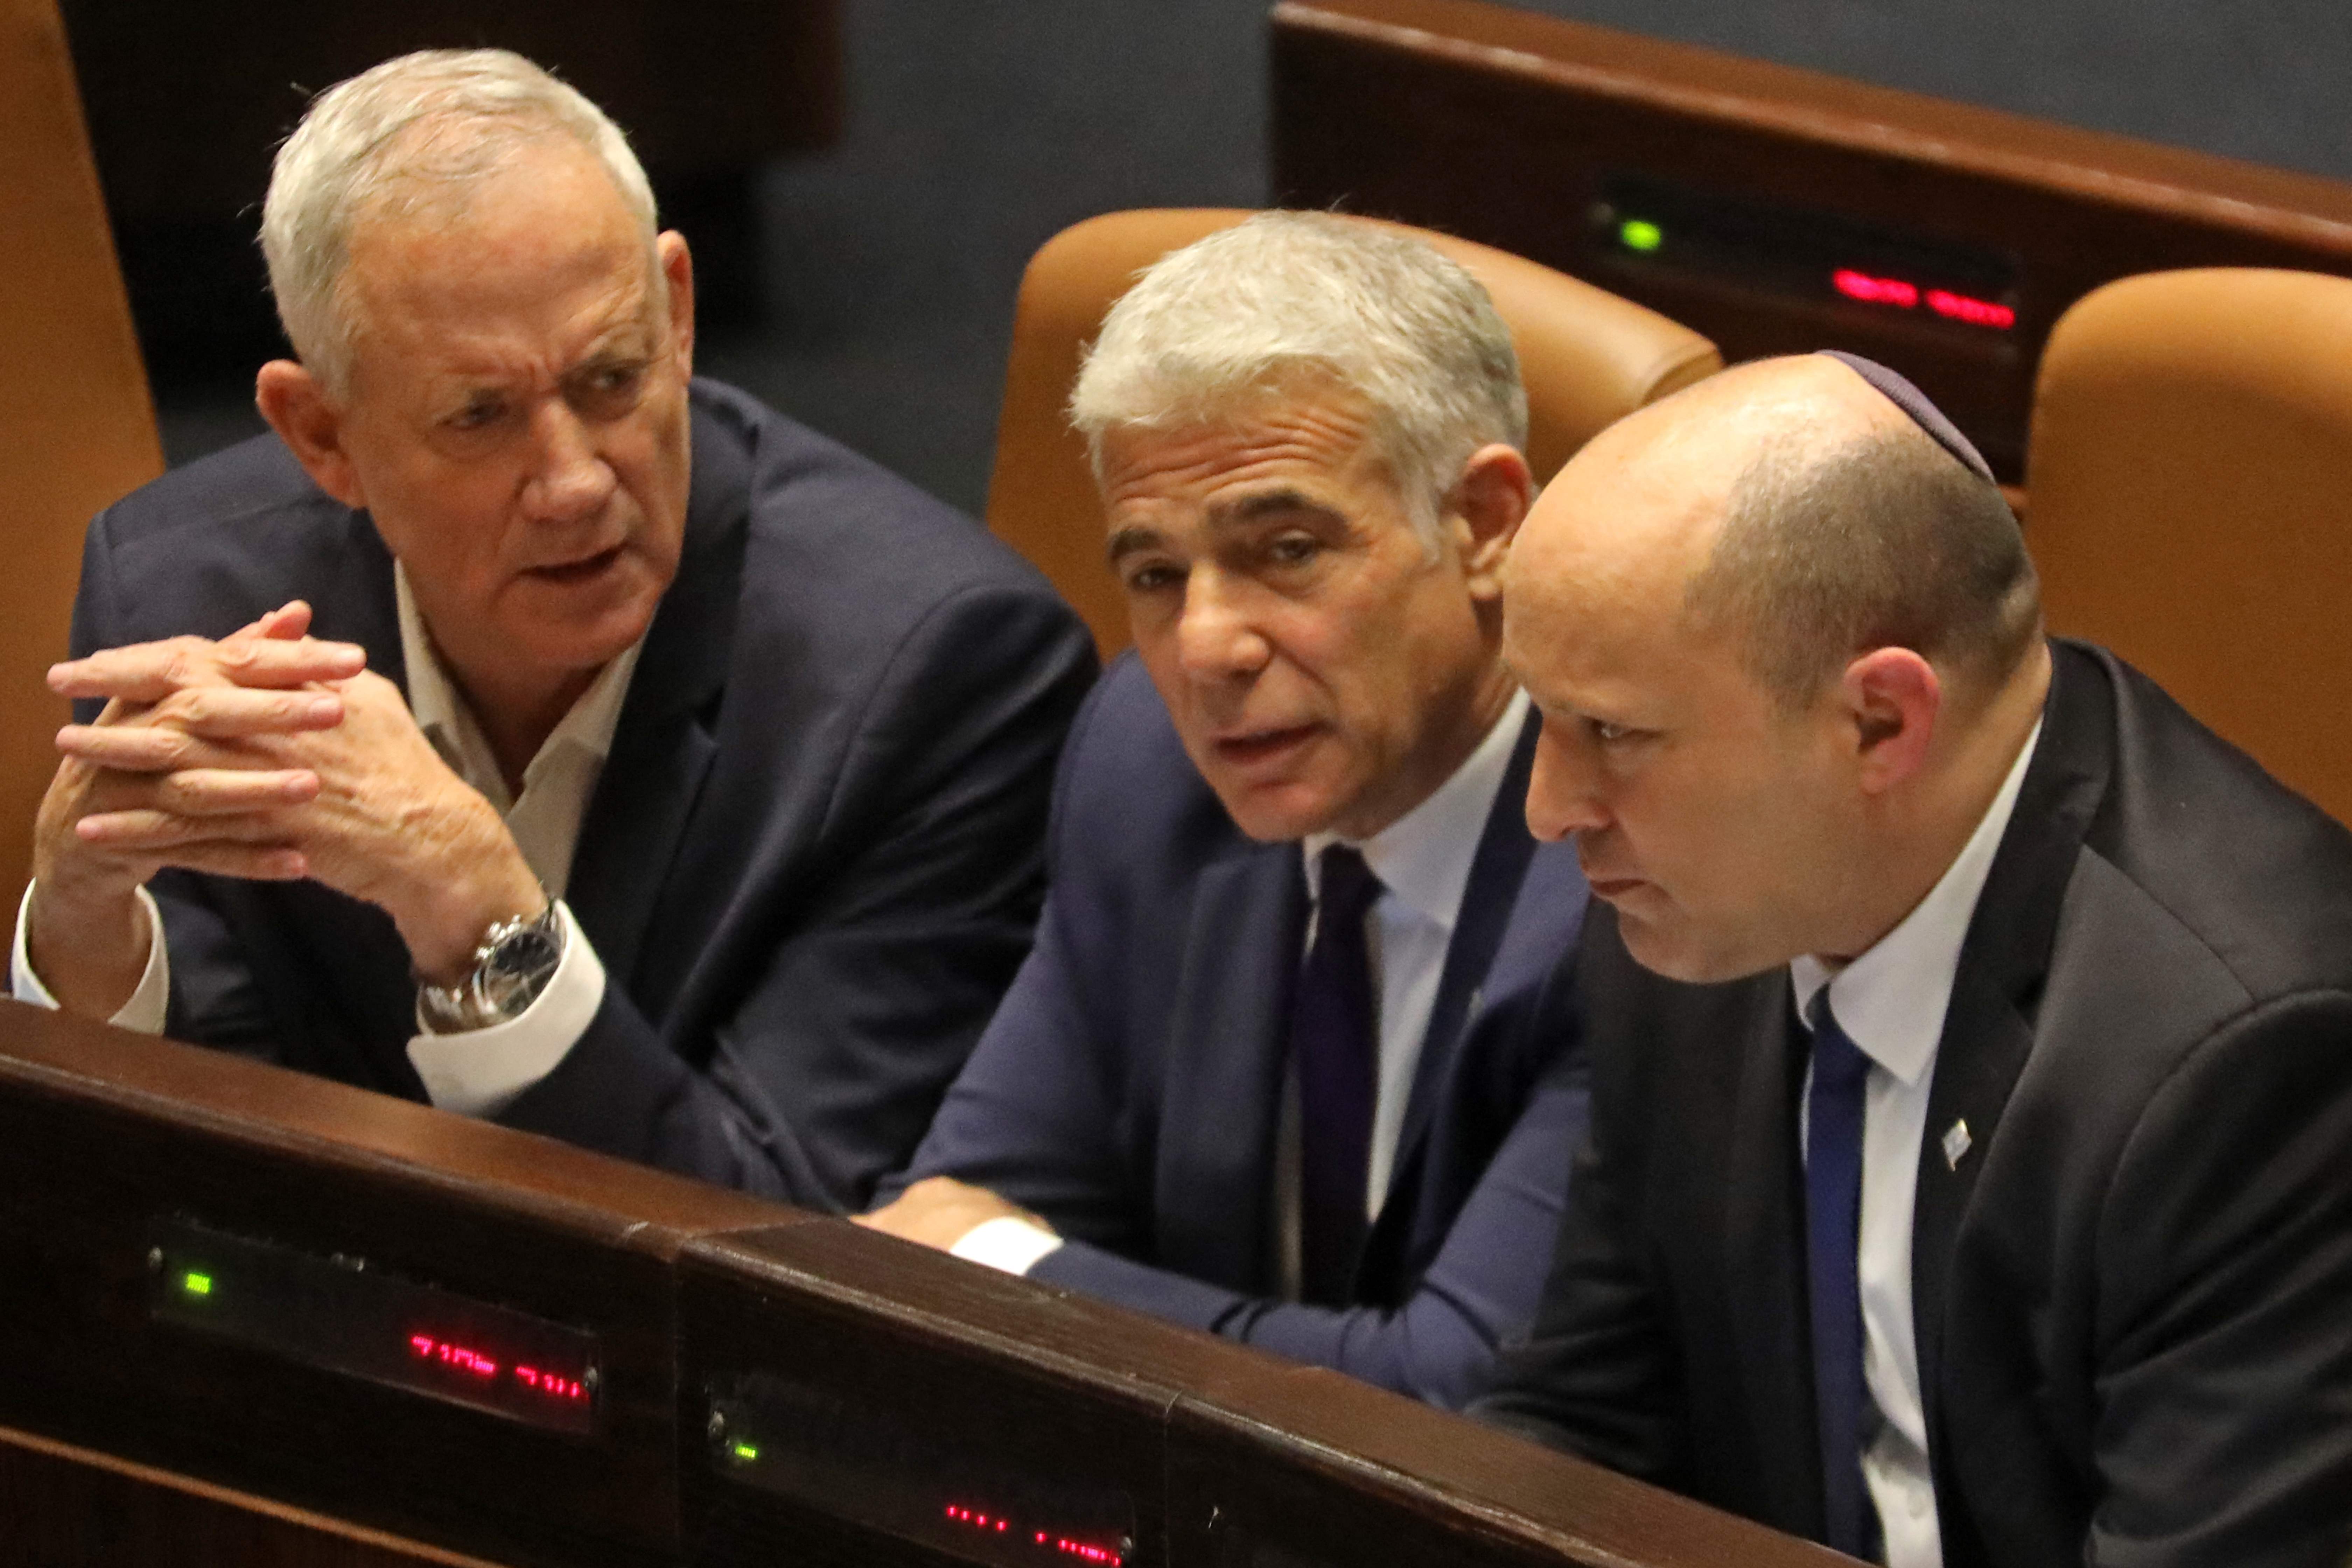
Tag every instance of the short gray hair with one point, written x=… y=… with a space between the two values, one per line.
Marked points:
x=416 y=129
x=1283 y=297
x=1829 y=549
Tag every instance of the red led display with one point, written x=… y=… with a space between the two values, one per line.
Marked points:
x=1045 y=1541
x=1976 y=312
x=1875 y=291
x=468 y=1359
x=1905 y=295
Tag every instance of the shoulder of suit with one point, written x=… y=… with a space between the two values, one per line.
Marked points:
x=254 y=479
x=812 y=499
x=2248 y=870
x=214 y=541
x=1128 y=787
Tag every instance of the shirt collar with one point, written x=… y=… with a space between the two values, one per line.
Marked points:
x=449 y=722
x=1424 y=856
x=1891 y=1001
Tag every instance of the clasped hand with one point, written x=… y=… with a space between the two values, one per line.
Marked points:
x=271 y=755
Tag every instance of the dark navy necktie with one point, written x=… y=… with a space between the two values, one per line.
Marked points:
x=1334 y=1044
x=1834 y=1112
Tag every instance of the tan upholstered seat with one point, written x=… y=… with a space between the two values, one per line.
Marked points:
x=1587 y=357
x=2190 y=474
x=77 y=429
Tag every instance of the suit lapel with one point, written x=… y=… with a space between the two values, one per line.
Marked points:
x=665 y=742
x=2004 y=960
x=355 y=602
x=1501 y=902
x=1227 y=1051
x=1764 y=1240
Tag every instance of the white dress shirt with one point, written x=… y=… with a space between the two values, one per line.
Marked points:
x=1423 y=860
x=480 y=1072
x=1891 y=1002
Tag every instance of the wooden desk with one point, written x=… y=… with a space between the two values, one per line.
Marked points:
x=774 y=1386
x=1521 y=131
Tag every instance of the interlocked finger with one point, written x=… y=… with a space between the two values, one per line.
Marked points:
x=148 y=672
x=218 y=792
x=150 y=830
x=199 y=729
x=230 y=713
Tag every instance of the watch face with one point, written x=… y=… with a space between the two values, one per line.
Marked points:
x=510 y=971
x=528 y=954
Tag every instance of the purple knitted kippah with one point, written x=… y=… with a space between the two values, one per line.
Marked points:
x=1914 y=402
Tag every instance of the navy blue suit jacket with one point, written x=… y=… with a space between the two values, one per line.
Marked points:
x=813 y=860
x=1129 y=1091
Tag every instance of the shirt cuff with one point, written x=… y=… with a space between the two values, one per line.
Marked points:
x=1007 y=1242
x=483 y=1071
x=149 y=1002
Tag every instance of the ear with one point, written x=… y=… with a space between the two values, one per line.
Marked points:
x=1491 y=499
x=677 y=266
x=310 y=423
x=1891 y=698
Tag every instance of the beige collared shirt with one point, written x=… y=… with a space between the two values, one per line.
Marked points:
x=480 y=1072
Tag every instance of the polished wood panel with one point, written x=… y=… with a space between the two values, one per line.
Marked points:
x=1166 y=1448
x=1233 y=1458
x=1312 y=1470
x=1503 y=127
x=103 y=1133
x=63 y=1507
x=1050 y=1385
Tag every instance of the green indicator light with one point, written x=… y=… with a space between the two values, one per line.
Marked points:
x=198 y=1284
x=1641 y=234
x=747 y=1451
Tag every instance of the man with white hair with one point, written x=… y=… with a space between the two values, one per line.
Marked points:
x=675 y=780
x=1284 y=1065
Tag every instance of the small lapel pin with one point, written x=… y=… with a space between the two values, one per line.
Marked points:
x=1956 y=1144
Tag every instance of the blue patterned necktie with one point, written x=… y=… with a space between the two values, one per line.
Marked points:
x=1335 y=1047
x=1834 y=1111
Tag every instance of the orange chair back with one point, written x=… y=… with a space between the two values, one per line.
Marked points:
x=2189 y=474
x=1587 y=358
x=77 y=428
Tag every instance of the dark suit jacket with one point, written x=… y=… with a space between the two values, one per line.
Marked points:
x=813 y=860
x=2132 y=1295
x=1130 y=1090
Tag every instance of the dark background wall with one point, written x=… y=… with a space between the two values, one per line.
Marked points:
x=974 y=128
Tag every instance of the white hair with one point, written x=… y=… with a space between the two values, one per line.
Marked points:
x=414 y=130
x=1285 y=300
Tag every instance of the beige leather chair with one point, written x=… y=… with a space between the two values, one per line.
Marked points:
x=2190 y=470
x=77 y=429
x=1587 y=358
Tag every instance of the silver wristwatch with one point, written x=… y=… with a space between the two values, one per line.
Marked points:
x=515 y=960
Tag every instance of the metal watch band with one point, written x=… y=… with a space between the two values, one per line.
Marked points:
x=513 y=965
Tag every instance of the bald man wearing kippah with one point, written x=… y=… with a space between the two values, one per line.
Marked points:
x=1969 y=1179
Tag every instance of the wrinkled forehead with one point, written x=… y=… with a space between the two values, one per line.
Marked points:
x=1316 y=435
x=557 y=256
